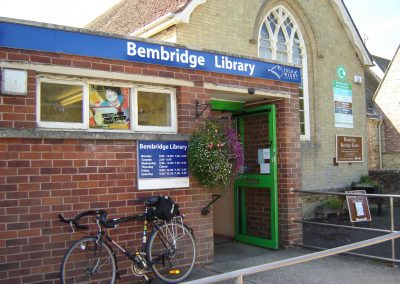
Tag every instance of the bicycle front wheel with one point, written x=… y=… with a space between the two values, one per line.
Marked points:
x=88 y=260
x=171 y=252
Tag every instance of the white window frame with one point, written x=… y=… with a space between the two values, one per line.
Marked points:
x=160 y=129
x=273 y=37
x=133 y=107
x=63 y=125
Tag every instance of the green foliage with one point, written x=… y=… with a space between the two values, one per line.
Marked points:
x=211 y=155
x=332 y=203
x=367 y=180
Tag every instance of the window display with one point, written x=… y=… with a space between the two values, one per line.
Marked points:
x=109 y=107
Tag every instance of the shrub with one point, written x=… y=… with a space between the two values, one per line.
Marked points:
x=332 y=203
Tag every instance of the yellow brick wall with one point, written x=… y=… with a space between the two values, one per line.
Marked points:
x=232 y=26
x=168 y=35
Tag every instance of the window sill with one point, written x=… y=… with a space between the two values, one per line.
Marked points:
x=83 y=134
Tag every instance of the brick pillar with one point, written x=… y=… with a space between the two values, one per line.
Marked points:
x=289 y=170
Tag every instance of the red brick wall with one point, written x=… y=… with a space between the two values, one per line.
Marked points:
x=258 y=212
x=255 y=137
x=289 y=170
x=40 y=178
x=258 y=202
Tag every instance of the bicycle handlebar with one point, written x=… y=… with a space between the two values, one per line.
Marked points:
x=100 y=214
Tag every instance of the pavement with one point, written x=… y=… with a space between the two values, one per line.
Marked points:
x=230 y=256
x=347 y=269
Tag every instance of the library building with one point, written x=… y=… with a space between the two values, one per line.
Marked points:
x=101 y=116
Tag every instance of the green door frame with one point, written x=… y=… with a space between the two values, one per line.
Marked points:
x=258 y=181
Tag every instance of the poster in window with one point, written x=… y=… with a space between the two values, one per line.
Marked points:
x=109 y=107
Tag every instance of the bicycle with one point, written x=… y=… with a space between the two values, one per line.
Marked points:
x=170 y=250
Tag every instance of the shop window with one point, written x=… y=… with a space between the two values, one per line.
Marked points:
x=155 y=110
x=109 y=107
x=60 y=104
x=280 y=39
x=93 y=106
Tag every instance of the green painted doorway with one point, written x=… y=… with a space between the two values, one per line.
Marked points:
x=256 y=189
x=255 y=198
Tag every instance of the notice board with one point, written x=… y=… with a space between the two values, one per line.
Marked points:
x=162 y=164
x=343 y=96
x=349 y=149
x=358 y=207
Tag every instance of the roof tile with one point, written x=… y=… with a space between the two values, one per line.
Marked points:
x=129 y=15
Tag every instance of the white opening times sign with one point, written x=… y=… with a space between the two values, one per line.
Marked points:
x=162 y=164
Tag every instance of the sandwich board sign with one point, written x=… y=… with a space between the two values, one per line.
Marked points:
x=358 y=207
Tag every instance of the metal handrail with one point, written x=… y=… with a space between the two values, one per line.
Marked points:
x=238 y=274
x=342 y=226
x=347 y=193
x=206 y=209
x=390 y=196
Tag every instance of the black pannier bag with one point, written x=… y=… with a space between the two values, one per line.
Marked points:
x=165 y=209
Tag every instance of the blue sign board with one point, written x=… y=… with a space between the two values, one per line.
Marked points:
x=162 y=159
x=56 y=40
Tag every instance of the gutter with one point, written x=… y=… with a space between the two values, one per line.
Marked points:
x=380 y=144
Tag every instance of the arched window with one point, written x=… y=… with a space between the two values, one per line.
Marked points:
x=280 y=39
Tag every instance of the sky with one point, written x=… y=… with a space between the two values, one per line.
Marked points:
x=378 y=21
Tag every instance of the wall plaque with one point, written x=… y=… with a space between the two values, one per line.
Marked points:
x=162 y=164
x=349 y=149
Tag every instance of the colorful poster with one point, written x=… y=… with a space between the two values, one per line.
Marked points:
x=109 y=107
x=343 y=97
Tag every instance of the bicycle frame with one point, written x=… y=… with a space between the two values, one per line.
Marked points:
x=101 y=234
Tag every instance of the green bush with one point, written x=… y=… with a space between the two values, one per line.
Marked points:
x=368 y=181
x=332 y=203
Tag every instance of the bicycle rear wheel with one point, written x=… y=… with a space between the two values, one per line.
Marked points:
x=88 y=261
x=171 y=252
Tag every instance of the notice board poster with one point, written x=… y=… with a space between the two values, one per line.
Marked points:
x=162 y=164
x=349 y=149
x=343 y=97
x=358 y=207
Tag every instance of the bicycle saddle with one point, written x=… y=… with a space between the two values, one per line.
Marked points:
x=150 y=200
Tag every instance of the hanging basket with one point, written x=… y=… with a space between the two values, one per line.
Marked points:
x=215 y=155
